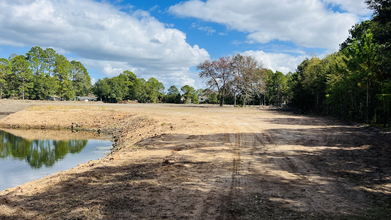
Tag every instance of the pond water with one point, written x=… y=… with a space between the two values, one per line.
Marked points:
x=27 y=155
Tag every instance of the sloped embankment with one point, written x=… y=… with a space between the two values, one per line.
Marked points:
x=126 y=128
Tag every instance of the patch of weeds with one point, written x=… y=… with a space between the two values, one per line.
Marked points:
x=164 y=124
x=31 y=108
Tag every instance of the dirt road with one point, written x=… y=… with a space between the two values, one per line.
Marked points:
x=206 y=162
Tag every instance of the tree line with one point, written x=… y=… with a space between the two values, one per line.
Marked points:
x=126 y=86
x=355 y=82
x=41 y=73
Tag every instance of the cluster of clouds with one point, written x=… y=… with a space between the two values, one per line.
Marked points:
x=308 y=23
x=106 y=38
x=102 y=36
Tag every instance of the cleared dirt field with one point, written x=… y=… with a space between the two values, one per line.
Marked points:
x=206 y=162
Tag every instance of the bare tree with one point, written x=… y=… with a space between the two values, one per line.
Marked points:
x=237 y=81
x=250 y=76
x=217 y=75
x=260 y=85
x=234 y=75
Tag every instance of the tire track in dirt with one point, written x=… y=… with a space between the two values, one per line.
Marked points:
x=319 y=197
x=218 y=184
x=243 y=146
x=203 y=205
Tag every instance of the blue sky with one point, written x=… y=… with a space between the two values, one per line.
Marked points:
x=167 y=39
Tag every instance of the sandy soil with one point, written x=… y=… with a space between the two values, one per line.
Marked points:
x=40 y=134
x=205 y=162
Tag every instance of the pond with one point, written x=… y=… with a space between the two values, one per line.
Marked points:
x=27 y=155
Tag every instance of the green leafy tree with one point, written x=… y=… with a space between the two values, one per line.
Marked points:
x=130 y=80
x=173 y=90
x=190 y=94
x=61 y=71
x=173 y=95
x=356 y=32
x=381 y=22
x=50 y=61
x=212 y=98
x=37 y=57
x=21 y=69
x=118 y=89
x=140 y=90
x=80 y=78
x=102 y=89
x=43 y=84
x=5 y=70
x=363 y=59
x=155 y=89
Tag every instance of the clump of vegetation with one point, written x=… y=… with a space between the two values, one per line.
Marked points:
x=42 y=73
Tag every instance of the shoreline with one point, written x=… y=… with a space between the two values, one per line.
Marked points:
x=117 y=125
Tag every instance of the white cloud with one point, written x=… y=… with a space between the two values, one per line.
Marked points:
x=209 y=30
x=154 y=8
x=98 y=32
x=170 y=25
x=277 y=61
x=352 y=6
x=93 y=81
x=307 y=23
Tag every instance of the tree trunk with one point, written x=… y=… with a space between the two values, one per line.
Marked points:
x=235 y=99
x=222 y=99
x=367 y=101
x=23 y=89
x=260 y=100
x=264 y=99
x=385 y=115
x=245 y=100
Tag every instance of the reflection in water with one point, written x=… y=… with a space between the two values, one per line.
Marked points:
x=37 y=152
x=40 y=153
